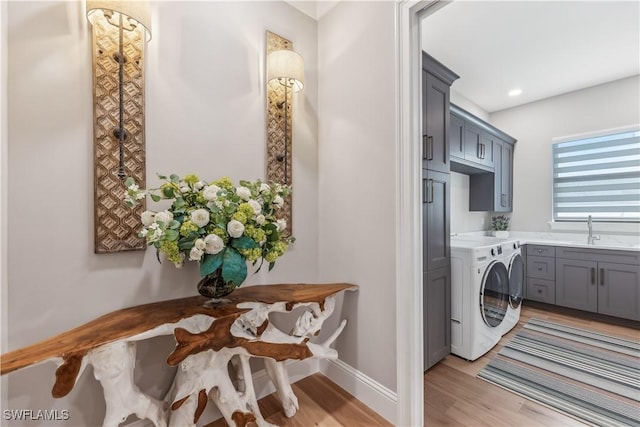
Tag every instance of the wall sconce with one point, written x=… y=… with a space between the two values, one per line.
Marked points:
x=285 y=76
x=119 y=32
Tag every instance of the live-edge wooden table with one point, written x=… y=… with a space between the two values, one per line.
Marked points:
x=209 y=335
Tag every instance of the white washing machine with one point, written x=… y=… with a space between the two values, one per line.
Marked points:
x=481 y=299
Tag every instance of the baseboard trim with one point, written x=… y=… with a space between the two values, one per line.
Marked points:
x=297 y=369
x=364 y=388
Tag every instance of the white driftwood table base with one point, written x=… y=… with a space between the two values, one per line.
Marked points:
x=210 y=338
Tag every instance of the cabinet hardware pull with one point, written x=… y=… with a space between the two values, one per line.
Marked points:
x=539 y=251
x=425 y=190
x=539 y=268
x=593 y=276
x=431 y=188
x=430 y=145
x=503 y=200
x=602 y=277
x=427 y=147
x=480 y=150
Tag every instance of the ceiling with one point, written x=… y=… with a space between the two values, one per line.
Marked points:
x=545 y=48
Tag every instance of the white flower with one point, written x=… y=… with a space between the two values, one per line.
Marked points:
x=219 y=204
x=156 y=233
x=185 y=189
x=257 y=207
x=195 y=254
x=260 y=219
x=198 y=185
x=243 y=192
x=264 y=188
x=281 y=224
x=213 y=244
x=179 y=264
x=200 y=217
x=235 y=228
x=200 y=244
x=278 y=201
x=147 y=218
x=210 y=192
x=164 y=217
x=140 y=195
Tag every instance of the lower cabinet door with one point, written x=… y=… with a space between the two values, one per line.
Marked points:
x=435 y=220
x=436 y=296
x=576 y=284
x=619 y=290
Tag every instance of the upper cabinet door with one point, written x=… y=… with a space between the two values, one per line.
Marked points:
x=456 y=137
x=436 y=80
x=435 y=122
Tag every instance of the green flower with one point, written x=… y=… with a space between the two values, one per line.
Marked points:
x=240 y=217
x=171 y=251
x=257 y=234
x=187 y=227
x=224 y=182
x=246 y=209
x=191 y=179
x=251 y=254
x=271 y=256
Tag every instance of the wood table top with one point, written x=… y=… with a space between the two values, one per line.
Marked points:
x=129 y=322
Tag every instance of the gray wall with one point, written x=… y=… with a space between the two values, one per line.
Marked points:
x=357 y=188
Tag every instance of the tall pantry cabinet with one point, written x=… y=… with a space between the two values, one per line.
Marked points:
x=436 y=267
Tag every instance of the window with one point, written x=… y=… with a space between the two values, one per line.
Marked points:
x=597 y=176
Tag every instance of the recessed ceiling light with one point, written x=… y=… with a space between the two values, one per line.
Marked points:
x=515 y=92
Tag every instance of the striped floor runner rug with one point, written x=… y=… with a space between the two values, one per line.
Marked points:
x=591 y=377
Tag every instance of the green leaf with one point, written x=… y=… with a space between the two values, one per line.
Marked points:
x=129 y=182
x=174 y=178
x=179 y=203
x=244 y=242
x=234 y=267
x=211 y=263
x=185 y=244
x=168 y=192
x=155 y=197
x=273 y=237
x=171 y=235
x=174 y=224
x=158 y=256
x=161 y=176
x=271 y=265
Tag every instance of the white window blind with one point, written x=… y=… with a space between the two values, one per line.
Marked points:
x=597 y=176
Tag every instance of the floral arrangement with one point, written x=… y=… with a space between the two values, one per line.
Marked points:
x=500 y=223
x=218 y=224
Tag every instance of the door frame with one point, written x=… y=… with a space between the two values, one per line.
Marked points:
x=409 y=331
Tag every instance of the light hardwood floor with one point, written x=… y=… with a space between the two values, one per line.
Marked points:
x=453 y=395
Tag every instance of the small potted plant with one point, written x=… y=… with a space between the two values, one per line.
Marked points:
x=500 y=225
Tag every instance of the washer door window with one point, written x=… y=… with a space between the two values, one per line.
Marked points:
x=494 y=294
x=516 y=280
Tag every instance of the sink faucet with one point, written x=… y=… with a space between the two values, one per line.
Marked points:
x=591 y=237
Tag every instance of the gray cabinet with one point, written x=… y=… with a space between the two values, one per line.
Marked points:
x=576 y=284
x=619 y=290
x=436 y=80
x=437 y=296
x=486 y=154
x=540 y=273
x=435 y=219
x=598 y=280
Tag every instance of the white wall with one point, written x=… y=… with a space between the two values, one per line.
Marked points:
x=463 y=220
x=606 y=106
x=356 y=106
x=205 y=112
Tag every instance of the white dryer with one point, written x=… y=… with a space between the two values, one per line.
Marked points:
x=512 y=258
x=479 y=295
